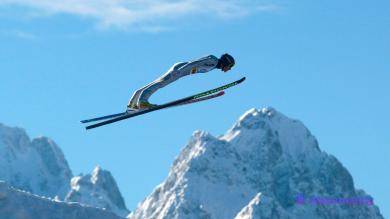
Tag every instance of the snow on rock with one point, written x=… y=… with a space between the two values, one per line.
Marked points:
x=17 y=204
x=37 y=166
x=248 y=211
x=263 y=153
x=98 y=189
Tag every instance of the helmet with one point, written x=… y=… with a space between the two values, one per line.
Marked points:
x=227 y=60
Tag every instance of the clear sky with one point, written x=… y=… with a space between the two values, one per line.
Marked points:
x=325 y=63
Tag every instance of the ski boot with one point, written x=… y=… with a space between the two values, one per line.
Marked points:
x=131 y=108
x=145 y=105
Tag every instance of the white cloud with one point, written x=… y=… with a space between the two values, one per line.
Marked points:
x=142 y=13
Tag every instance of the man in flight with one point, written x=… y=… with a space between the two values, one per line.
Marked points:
x=139 y=100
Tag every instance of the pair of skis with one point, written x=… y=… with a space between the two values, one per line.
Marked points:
x=210 y=94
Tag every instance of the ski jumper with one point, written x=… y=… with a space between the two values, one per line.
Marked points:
x=177 y=71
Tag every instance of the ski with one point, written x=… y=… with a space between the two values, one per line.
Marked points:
x=201 y=99
x=124 y=113
x=130 y=113
x=103 y=117
x=169 y=104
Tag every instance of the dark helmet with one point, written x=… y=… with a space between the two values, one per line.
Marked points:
x=227 y=60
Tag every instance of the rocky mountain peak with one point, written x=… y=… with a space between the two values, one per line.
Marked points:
x=263 y=153
x=37 y=165
x=98 y=189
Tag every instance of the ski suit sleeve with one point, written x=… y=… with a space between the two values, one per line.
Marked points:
x=201 y=65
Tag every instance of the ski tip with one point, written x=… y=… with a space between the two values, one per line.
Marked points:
x=88 y=127
x=240 y=80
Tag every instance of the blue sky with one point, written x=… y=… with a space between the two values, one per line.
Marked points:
x=325 y=63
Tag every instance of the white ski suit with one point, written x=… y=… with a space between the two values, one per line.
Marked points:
x=177 y=71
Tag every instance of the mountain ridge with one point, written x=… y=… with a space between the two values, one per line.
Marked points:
x=265 y=166
x=38 y=166
x=257 y=169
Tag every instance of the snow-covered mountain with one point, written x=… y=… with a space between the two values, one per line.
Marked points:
x=98 y=189
x=38 y=166
x=17 y=204
x=265 y=166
